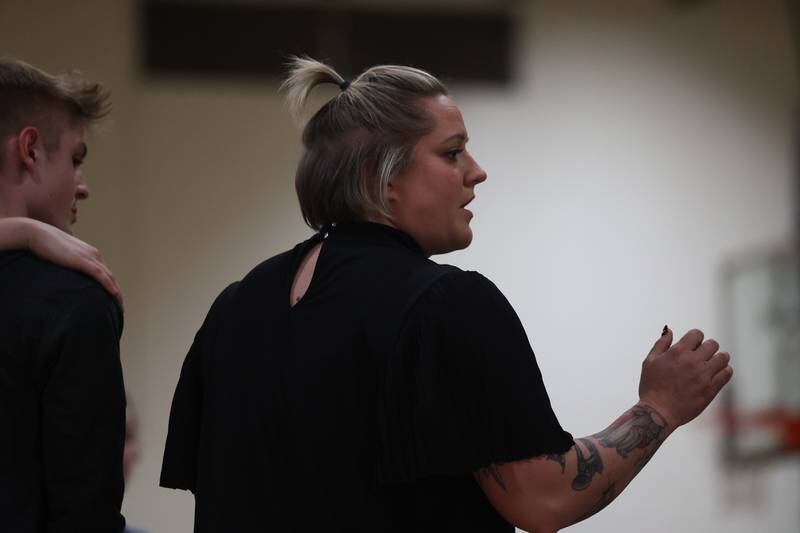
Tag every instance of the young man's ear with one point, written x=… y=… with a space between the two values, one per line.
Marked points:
x=29 y=147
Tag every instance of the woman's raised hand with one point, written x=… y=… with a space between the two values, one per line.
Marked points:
x=680 y=380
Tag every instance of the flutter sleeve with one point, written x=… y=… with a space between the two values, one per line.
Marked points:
x=463 y=389
x=179 y=466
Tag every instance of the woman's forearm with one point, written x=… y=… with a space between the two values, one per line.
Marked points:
x=599 y=467
x=547 y=493
x=15 y=233
x=57 y=246
x=550 y=492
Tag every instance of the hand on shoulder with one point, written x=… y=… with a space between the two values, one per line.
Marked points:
x=52 y=244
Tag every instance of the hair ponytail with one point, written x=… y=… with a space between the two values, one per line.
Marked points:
x=305 y=74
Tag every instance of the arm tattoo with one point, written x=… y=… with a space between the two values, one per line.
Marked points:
x=494 y=472
x=606 y=497
x=587 y=466
x=643 y=460
x=558 y=458
x=636 y=429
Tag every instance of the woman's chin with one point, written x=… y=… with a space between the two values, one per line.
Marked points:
x=458 y=242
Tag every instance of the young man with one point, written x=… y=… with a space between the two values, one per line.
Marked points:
x=62 y=399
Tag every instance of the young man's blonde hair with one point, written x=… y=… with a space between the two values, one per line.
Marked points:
x=359 y=140
x=31 y=97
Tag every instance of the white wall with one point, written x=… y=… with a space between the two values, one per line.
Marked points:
x=641 y=147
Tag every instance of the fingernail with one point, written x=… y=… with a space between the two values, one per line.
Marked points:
x=664 y=331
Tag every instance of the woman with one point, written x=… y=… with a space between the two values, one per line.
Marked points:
x=52 y=244
x=352 y=384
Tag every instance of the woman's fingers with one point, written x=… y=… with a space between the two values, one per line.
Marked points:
x=662 y=344
x=707 y=349
x=722 y=377
x=99 y=271
x=718 y=362
x=62 y=248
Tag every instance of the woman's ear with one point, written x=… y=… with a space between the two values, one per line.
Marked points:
x=392 y=192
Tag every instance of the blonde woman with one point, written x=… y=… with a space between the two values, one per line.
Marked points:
x=352 y=384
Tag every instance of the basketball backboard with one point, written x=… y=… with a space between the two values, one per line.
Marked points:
x=761 y=306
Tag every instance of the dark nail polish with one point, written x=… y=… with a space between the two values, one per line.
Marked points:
x=664 y=331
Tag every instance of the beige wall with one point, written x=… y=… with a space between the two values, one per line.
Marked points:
x=641 y=147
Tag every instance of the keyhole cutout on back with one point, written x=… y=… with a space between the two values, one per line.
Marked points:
x=304 y=274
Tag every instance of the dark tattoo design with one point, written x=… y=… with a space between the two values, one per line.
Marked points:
x=606 y=497
x=643 y=460
x=636 y=429
x=588 y=466
x=558 y=458
x=494 y=473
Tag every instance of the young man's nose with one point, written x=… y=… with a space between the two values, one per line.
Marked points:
x=82 y=192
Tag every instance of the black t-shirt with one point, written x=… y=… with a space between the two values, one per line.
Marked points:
x=62 y=401
x=365 y=407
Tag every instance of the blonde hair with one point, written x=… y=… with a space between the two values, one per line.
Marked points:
x=31 y=97
x=359 y=140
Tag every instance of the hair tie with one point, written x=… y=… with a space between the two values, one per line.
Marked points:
x=327 y=229
x=344 y=85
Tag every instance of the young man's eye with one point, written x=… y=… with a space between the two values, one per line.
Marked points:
x=77 y=162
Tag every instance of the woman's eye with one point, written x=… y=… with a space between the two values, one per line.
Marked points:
x=77 y=162
x=453 y=154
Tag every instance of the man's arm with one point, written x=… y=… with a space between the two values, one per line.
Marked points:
x=83 y=418
x=545 y=494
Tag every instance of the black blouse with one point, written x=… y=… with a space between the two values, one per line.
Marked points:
x=365 y=407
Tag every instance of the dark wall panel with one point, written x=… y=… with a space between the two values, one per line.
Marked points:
x=212 y=39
